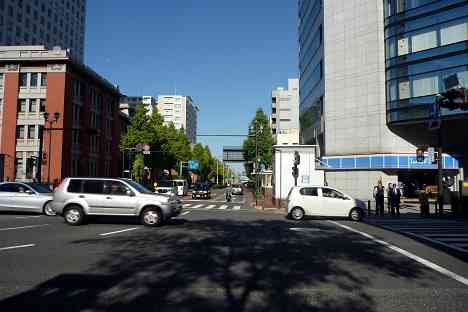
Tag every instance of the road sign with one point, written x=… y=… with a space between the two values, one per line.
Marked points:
x=431 y=154
x=193 y=165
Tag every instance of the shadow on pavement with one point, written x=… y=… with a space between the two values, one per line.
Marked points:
x=215 y=265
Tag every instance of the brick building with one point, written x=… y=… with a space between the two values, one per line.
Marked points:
x=83 y=120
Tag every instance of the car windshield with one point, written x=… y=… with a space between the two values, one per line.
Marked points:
x=39 y=188
x=140 y=188
x=165 y=184
x=179 y=183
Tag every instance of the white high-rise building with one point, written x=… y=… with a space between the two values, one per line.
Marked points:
x=128 y=104
x=285 y=113
x=46 y=22
x=181 y=111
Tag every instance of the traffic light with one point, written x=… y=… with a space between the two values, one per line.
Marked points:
x=420 y=155
x=297 y=158
x=295 y=171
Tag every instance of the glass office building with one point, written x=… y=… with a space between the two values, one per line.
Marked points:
x=426 y=42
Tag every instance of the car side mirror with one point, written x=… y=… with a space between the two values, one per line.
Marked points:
x=129 y=193
x=29 y=192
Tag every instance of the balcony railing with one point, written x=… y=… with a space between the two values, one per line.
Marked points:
x=28 y=142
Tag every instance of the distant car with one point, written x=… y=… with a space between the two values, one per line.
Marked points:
x=237 y=189
x=166 y=187
x=201 y=191
x=323 y=201
x=27 y=197
x=181 y=187
x=76 y=198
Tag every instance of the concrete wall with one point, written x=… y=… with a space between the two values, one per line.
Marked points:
x=355 y=111
x=358 y=184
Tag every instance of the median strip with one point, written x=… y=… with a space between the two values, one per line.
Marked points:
x=23 y=227
x=116 y=232
x=16 y=247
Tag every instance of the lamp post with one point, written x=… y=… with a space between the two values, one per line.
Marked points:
x=257 y=129
x=56 y=116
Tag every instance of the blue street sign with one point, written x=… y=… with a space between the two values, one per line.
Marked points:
x=193 y=165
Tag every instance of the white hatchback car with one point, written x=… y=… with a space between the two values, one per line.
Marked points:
x=323 y=201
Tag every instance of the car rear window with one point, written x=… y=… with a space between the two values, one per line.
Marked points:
x=74 y=186
x=166 y=184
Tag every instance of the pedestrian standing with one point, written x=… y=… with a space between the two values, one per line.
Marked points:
x=390 y=199
x=424 y=202
x=379 y=195
x=396 y=199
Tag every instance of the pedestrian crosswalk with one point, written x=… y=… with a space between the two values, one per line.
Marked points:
x=213 y=207
x=449 y=233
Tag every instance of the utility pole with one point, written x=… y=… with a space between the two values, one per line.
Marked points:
x=217 y=174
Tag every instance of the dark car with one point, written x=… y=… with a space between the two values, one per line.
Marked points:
x=201 y=191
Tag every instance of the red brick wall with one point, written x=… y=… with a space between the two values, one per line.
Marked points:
x=10 y=100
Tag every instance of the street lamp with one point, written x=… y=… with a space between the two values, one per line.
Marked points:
x=56 y=117
x=257 y=128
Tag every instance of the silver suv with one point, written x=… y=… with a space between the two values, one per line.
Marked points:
x=75 y=198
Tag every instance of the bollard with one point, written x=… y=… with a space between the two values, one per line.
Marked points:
x=368 y=208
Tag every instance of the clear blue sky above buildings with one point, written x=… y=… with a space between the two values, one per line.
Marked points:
x=226 y=54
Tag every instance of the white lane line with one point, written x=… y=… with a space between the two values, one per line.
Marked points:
x=236 y=208
x=28 y=217
x=296 y=229
x=23 y=227
x=115 y=232
x=186 y=205
x=197 y=206
x=16 y=247
x=222 y=207
x=210 y=207
x=408 y=254
x=185 y=213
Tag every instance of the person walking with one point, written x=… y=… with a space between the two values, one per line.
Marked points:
x=424 y=202
x=379 y=195
x=396 y=199
x=390 y=199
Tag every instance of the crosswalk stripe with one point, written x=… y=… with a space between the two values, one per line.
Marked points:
x=223 y=207
x=197 y=206
x=186 y=205
x=236 y=208
x=209 y=207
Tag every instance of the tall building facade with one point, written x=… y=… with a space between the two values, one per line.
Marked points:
x=285 y=113
x=426 y=54
x=343 y=96
x=180 y=110
x=129 y=104
x=42 y=90
x=44 y=22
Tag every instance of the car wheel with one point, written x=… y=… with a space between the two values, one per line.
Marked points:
x=297 y=213
x=74 y=215
x=194 y=197
x=48 y=210
x=355 y=214
x=151 y=217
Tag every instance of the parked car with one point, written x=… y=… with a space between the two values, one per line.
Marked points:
x=237 y=189
x=166 y=187
x=25 y=196
x=76 y=198
x=201 y=191
x=323 y=201
x=181 y=187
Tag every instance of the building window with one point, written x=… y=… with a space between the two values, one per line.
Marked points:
x=76 y=137
x=42 y=105
x=1 y=79
x=33 y=82
x=33 y=105
x=75 y=168
x=22 y=107
x=425 y=86
x=31 y=132
x=92 y=168
x=424 y=41
x=403 y=89
x=23 y=80
x=455 y=33
x=43 y=79
x=20 y=132
x=403 y=46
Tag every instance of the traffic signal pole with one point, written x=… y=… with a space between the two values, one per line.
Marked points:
x=440 y=186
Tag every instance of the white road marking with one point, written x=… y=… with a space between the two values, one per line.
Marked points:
x=185 y=213
x=28 y=217
x=210 y=207
x=186 y=205
x=23 y=227
x=121 y=231
x=197 y=206
x=304 y=229
x=222 y=207
x=236 y=208
x=408 y=254
x=18 y=246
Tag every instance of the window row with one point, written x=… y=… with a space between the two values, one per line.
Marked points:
x=33 y=80
x=310 y=80
x=31 y=106
x=1 y=79
x=424 y=85
x=392 y=7
x=429 y=38
x=27 y=132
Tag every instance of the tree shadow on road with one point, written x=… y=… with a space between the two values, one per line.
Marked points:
x=223 y=265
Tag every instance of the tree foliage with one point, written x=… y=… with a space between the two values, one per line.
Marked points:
x=260 y=140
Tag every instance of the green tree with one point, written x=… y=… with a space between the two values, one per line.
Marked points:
x=260 y=140
x=139 y=130
x=138 y=167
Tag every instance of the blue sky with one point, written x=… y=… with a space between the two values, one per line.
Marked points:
x=226 y=54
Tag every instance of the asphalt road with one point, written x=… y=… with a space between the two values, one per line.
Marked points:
x=221 y=261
